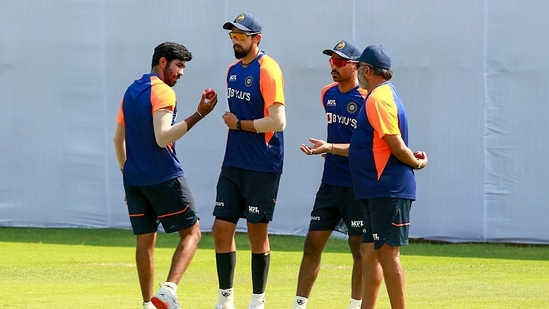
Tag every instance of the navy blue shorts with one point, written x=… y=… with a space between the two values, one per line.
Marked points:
x=333 y=204
x=386 y=220
x=246 y=194
x=170 y=203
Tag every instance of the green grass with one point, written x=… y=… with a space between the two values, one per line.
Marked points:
x=89 y=268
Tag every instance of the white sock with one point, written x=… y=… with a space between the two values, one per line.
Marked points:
x=226 y=297
x=355 y=303
x=147 y=304
x=257 y=299
x=300 y=302
x=171 y=285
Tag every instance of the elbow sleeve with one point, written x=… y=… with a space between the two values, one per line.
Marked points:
x=275 y=122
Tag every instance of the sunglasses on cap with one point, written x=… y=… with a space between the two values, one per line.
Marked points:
x=339 y=63
x=239 y=36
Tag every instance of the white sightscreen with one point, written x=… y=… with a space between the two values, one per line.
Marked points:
x=472 y=75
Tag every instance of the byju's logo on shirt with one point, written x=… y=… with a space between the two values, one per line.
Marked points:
x=242 y=95
x=338 y=119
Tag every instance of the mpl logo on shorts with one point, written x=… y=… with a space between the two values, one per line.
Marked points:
x=253 y=209
x=358 y=223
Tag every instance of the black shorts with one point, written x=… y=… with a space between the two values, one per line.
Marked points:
x=333 y=204
x=386 y=220
x=170 y=203
x=246 y=194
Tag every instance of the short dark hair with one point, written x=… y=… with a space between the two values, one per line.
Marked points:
x=170 y=51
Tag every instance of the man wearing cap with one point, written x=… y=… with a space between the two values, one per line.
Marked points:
x=252 y=166
x=335 y=201
x=382 y=167
x=382 y=170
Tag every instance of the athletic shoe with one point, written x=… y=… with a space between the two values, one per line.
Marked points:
x=165 y=298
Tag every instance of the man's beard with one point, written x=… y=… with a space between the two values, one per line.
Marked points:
x=170 y=77
x=239 y=54
x=362 y=83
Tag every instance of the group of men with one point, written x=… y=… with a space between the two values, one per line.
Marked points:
x=368 y=179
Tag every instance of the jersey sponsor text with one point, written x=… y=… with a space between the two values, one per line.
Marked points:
x=242 y=95
x=334 y=118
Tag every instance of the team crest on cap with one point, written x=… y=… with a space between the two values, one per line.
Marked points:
x=340 y=45
x=352 y=107
x=249 y=81
x=239 y=18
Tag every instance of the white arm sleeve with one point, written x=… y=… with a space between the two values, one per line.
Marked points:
x=164 y=132
x=275 y=122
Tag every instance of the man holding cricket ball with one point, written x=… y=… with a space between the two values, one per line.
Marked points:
x=156 y=190
x=382 y=169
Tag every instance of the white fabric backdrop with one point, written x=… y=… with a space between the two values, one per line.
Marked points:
x=471 y=73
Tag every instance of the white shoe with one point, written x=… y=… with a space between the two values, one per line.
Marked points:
x=225 y=299
x=257 y=301
x=165 y=298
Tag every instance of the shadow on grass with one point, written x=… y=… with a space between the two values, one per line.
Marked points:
x=125 y=238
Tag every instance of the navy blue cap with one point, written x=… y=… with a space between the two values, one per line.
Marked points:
x=376 y=56
x=245 y=22
x=345 y=49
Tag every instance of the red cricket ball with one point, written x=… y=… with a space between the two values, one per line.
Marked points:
x=419 y=154
x=209 y=93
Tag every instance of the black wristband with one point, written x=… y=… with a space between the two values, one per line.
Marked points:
x=238 y=127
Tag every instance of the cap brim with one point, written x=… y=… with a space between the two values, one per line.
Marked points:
x=229 y=26
x=329 y=52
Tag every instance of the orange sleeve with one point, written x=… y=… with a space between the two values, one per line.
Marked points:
x=162 y=96
x=271 y=82
x=120 y=117
x=323 y=91
x=382 y=112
